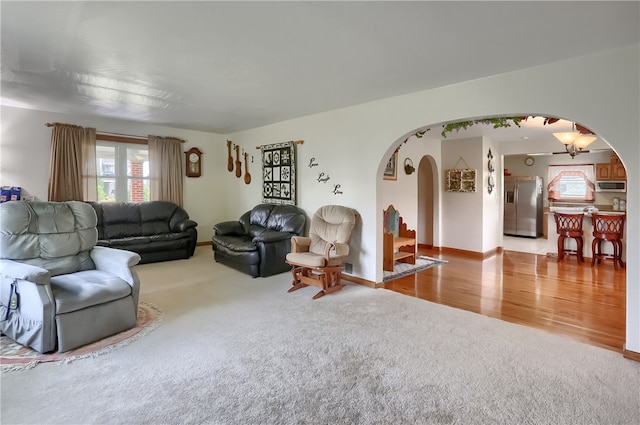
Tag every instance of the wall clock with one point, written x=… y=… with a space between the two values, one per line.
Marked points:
x=529 y=161
x=193 y=162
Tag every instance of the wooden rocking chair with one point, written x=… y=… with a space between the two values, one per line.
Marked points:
x=318 y=259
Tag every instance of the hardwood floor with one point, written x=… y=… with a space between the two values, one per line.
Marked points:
x=579 y=301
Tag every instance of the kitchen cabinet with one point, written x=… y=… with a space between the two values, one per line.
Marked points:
x=612 y=170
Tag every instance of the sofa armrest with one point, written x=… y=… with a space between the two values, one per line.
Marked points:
x=300 y=243
x=185 y=225
x=340 y=249
x=21 y=271
x=32 y=323
x=229 y=228
x=272 y=236
x=116 y=261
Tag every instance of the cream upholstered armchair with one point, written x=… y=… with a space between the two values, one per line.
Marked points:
x=58 y=291
x=318 y=259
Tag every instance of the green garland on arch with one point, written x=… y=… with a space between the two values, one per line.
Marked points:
x=495 y=122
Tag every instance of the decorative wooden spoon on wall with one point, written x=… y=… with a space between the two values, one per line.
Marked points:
x=247 y=176
x=230 y=160
x=238 y=162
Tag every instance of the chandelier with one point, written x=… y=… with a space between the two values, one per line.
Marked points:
x=574 y=141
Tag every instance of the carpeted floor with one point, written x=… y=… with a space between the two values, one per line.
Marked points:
x=15 y=357
x=236 y=350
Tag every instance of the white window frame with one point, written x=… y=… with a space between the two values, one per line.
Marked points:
x=121 y=174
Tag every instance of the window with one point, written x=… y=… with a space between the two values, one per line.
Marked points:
x=571 y=183
x=123 y=172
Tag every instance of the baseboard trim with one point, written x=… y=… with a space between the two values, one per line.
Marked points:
x=468 y=254
x=631 y=355
x=204 y=243
x=359 y=281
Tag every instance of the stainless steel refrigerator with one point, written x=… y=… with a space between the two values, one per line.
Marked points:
x=523 y=209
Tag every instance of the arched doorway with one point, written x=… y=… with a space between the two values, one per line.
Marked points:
x=440 y=207
x=427 y=193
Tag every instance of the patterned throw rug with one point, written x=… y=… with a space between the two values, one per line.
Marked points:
x=15 y=357
x=403 y=269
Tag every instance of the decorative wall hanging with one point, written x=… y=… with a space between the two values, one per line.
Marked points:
x=322 y=177
x=230 y=157
x=490 y=182
x=408 y=166
x=247 y=176
x=391 y=170
x=279 y=172
x=238 y=162
x=461 y=179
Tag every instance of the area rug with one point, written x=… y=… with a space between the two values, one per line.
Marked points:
x=15 y=357
x=403 y=269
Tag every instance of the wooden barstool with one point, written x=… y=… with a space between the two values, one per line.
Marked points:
x=607 y=228
x=569 y=226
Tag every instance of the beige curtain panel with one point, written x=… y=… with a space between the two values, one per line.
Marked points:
x=165 y=169
x=73 y=163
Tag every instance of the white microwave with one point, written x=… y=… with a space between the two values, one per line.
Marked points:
x=611 y=186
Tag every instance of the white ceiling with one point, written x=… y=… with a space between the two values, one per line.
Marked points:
x=228 y=66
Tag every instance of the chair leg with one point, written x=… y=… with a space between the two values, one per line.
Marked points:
x=296 y=284
x=617 y=255
x=595 y=249
x=560 y=247
x=622 y=264
x=580 y=243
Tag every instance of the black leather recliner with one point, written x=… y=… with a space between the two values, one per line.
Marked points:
x=258 y=243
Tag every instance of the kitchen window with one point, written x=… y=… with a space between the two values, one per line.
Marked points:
x=572 y=183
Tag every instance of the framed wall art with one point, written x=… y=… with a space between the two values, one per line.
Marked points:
x=461 y=180
x=391 y=170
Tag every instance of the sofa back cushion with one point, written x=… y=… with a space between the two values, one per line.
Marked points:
x=287 y=218
x=121 y=220
x=56 y=236
x=282 y=218
x=158 y=217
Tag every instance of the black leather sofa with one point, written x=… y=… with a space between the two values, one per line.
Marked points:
x=259 y=241
x=157 y=230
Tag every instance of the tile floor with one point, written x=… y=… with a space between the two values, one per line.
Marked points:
x=521 y=244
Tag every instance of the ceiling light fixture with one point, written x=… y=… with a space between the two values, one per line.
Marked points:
x=574 y=141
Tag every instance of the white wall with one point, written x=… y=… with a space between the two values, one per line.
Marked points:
x=462 y=210
x=25 y=146
x=601 y=91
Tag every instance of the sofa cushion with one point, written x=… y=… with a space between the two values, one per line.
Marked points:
x=259 y=215
x=134 y=240
x=87 y=288
x=121 y=220
x=234 y=243
x=168 y=237
x=157 y=246
x=155 y=217
x=286 y=218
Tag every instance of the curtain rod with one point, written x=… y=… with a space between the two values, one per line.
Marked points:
x=53 y=124
x=296 y=142
x=107 y=133
x=121 y=134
